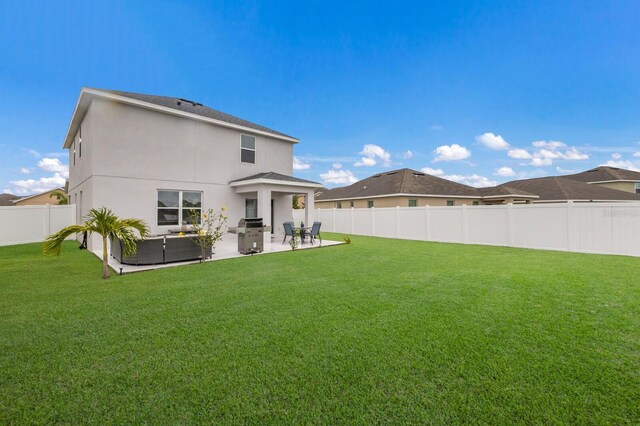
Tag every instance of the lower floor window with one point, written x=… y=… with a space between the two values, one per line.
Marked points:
x=451 y=203
x=413 y=203
x=179 y=207
x=370 y=204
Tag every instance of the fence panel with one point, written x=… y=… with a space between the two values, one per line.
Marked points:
x=609 y=228
x=31 y=224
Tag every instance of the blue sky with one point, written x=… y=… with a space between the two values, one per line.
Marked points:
x=479 y=92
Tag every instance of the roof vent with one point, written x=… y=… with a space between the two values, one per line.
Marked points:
x=376 y=176
x=391 y=173
x=418 y=174
x=187 y=101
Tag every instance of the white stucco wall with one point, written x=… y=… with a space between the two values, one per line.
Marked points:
x=129 y=153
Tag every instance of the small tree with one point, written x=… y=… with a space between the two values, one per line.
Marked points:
x=296 y=202
x=63 y=199
x=101 y=221
x=208 y=229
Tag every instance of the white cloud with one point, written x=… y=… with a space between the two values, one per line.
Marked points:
x=549 y=144
x=636 y=154
x=337 y=165
x=491 y=141
x=472 y=180
x=406 y=155
x=519 y=153
x=432 y=172
x=622 y=164
x=564 y=171
x=34 y=153
x=436 y=127
x=25 y=171
x=541 y=162
x=338 y=177
x=505 y=172
x=371 y=154
x=574 y=154
x=451 y=153
x=7 y=191
x=616 y=156
x=300 y=165
x=53 y=165
x=34 y=186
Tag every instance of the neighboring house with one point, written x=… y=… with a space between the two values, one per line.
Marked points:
x=410 y=188
x=155 y=158
x=610 y=177
x=7 y=200
x=40 y=199
x=558 y=189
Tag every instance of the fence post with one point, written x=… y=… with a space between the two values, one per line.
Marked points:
x=352 y=220
x=464 y=224
x=47 y=220
x=373 y=221
x=570 y=225
x=397 y=221
x=428 y=222
x=510 y=224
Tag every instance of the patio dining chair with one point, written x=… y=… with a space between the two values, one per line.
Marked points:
x=315 y=232
x=288 y=230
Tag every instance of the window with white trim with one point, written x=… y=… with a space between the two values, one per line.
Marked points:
x=637 y=187
x=177 y=207
x=247 y=149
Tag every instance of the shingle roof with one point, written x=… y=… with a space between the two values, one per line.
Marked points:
x=275 y=176
x=605 y=173
x=8 y=199
x=193 y=108
x=403 y=181
x=563 y=188
x=505 y=191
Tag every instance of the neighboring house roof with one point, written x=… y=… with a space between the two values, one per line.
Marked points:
x=38 y=194
x=505 y=191
x=400 y=182
x=605 y=174
x=8 y=199
x=559 y=188
x=179 y=106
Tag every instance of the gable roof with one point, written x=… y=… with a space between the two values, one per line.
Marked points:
x=604 y=174
x=275 y=176
x=558 y=188
x=402 y=181
x=172 y=105
x=39 y=193
x=8 y=199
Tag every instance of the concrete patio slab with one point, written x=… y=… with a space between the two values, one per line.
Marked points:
x=226 y=248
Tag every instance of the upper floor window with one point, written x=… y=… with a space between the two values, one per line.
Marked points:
x=248 y=149
x=637 y=187
x=80 y=142
x=178 y=207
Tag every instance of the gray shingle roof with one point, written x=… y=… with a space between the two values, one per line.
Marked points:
x=193 y=108
x=275 y=176
x=403 y=181
x=563 y=188
x=605 y=173
x=8 y=199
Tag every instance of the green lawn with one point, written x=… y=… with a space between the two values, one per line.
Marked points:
x=378 y=331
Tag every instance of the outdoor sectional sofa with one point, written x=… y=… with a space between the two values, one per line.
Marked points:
x=159 y=249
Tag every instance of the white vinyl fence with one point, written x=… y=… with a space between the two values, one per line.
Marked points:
x=31 y=224
x=608 y=228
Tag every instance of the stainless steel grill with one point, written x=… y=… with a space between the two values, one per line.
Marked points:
x=250 y=235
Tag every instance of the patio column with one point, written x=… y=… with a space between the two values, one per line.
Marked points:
x=264 y=211
x=309 y=200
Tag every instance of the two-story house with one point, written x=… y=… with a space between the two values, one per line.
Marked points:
x=155 y=158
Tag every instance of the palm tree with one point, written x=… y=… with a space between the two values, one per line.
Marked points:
x=104 y=222
x=63 y=199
